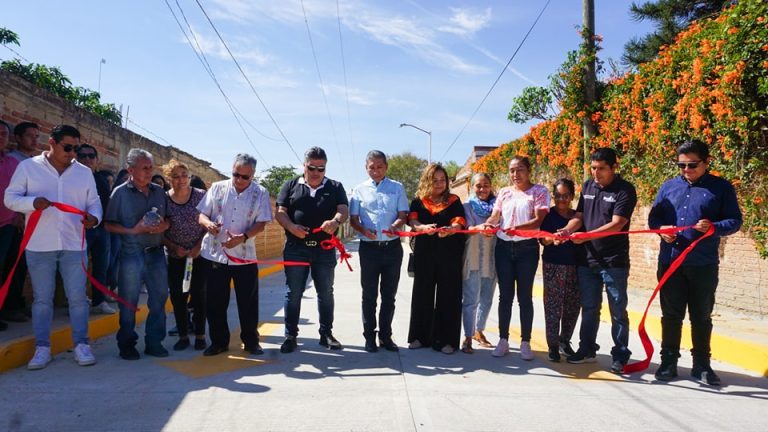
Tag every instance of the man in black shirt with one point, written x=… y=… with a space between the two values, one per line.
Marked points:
x=605 y=205
x=304 y=203
x=97 y=237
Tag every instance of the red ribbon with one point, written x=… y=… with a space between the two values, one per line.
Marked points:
x=34 y=218
x=334 y=242
x=250 y=261
x=644 y=339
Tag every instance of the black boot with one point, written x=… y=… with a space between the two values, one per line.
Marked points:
x=702 y=371
x=668 y=369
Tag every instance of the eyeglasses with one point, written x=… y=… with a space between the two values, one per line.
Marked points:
x=689 y=165
x=316 y=168
x=561 y=197
x=69 y=147
x=85 y=155
x=242 y=176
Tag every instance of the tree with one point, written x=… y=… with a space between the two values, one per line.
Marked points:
x=669 y=17
x=276 y=176
x=534 y=103
x=406 y=168
x=8 y=37
x=452 y=168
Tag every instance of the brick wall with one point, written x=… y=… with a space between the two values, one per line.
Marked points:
x=23 y=101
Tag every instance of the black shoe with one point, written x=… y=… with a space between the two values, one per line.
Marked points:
x=667 y=371
x=214 y=350
x=3 y=325
x=705 y=373
x=370 y=345
x=181 y=345
x=289 y=345
x=617 y=366
x=199 y=344
x=174 y=331
x=254 y=349
x=554 y=355
x=388 y=344
x=580 y=357
x=330 y=342
x=565 y=348
x=156 y=351
x=129 y=353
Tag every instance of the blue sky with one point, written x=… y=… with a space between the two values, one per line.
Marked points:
x=428 y=63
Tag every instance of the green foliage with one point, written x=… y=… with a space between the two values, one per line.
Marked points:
x=52 y=79
x=452 y=168
x=406 y=168
x=276 y=176
x=534 y=103
x=669 y=17
x=8 y=37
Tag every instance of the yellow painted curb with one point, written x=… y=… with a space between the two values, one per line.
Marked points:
x=17 y=352
x=738 y=352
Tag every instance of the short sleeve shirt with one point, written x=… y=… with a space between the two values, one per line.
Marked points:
x=598 y=206
x=378 y=205
x=237 y=213
x=128 y=205
x=519 y=207
x=567 y=253
x=311 y=207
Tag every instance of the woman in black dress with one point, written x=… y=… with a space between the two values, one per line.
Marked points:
x=436 y=297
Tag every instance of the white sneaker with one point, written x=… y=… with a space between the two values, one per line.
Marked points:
x=502 y=348
x=41 y=358
x=84 y=355
x=103 y=308
x=525 y=351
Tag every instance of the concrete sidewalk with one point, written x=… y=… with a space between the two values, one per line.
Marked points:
x=316 y=389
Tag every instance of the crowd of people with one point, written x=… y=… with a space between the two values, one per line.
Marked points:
x=170 y=235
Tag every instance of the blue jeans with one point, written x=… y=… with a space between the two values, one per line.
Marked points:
x=114 y=259
x=42 y=270
x=516 y=264
x=137 y=266
x=98 y=245
x=322 y=266
x=591 y=281
x=476 y=302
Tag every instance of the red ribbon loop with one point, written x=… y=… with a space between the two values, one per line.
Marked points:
x=334 y=242
x=34 y=218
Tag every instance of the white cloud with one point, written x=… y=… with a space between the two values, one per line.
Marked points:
x=465 y=22
x=240 y=46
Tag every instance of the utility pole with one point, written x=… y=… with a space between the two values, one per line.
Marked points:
x=590 y=77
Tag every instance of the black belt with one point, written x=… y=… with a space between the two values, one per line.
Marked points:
x=380 y=243
x=151 y=249
x=305 y=243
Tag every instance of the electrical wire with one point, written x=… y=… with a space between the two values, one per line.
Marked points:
x=346 y=87
x=250 y=84
x=472 y=117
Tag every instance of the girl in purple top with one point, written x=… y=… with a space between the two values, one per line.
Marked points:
x=182 y=240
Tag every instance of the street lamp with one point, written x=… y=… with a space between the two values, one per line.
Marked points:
x=429 y=155
x=103 y=61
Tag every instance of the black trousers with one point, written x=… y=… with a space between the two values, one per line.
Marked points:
x=691 y=287
x=195 y=297
x=379 y=270
x=246 y=281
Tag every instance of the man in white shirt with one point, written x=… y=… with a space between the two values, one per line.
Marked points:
x=54 y=176
x=233 y=211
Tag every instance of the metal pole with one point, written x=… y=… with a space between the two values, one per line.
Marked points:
x=429 y=153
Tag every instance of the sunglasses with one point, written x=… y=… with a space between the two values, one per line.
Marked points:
x=242 y=176
x=85 y=155
x=562 y=197
x=69 y=147
x=689 y=165
x=316 y=168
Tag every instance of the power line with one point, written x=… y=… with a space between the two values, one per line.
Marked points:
x=322 y=85
x=150 y=132
x=497 y=78
x=346 y=88
x=250 y=84
x=204 y=61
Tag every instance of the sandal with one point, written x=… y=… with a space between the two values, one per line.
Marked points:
x=466 y=347
x=480 y=338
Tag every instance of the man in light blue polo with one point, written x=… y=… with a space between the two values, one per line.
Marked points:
x=376 y=205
